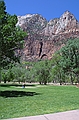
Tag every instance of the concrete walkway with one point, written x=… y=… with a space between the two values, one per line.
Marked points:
x=69 y=115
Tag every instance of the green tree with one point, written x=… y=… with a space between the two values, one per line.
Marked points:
x=7 y=75
x=42 y=72
x=70 y=58
x=56 y=71
x=11 y=38
x=19 y=72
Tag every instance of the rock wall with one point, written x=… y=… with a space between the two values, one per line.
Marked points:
x=46 y=37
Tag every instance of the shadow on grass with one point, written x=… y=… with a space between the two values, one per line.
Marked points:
x=16 y=85
x=16 y=93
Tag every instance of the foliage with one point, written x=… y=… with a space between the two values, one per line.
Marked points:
x=65 y=63
x=42 y=71
x=56 y=71
x=70 y=58
x=7 y=75
x=11 y=37
x=17 y=73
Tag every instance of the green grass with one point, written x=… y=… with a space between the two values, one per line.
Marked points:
x=46 y=99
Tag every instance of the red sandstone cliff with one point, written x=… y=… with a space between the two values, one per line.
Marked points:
x=46 y=37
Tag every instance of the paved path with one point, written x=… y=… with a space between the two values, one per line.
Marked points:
x=69 y=115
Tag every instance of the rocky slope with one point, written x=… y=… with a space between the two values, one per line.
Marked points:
x=46 y=37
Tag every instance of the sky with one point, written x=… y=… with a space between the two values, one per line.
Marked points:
x=49 y=9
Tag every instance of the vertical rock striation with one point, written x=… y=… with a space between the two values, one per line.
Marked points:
x=46 y=37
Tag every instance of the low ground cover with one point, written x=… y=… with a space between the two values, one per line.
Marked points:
x=35 y=100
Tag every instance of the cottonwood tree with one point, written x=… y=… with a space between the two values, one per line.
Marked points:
x=42 y=72
x=56 y=71
x=11 y=37
x=70 y=58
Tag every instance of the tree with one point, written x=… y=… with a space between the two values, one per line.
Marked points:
x=70 y=58
x=42 y=72
x=11 y=38
x=19 y=72
x=7 y=75
x=56 y=71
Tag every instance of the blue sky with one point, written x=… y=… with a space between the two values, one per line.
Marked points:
x=47 y=8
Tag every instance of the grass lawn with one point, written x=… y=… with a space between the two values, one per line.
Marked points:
x=36 y=100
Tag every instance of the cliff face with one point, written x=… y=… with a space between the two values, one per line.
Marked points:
x=46 y=37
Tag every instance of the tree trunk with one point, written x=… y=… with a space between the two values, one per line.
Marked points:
x=71 y=79
x=40 y=82
x=45 y=82
x=0 y=74
x=4 y=81
x=60 y=82
x=77 y=78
